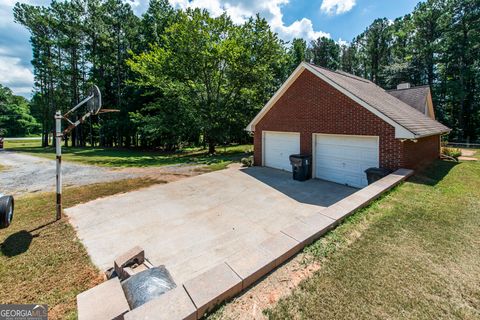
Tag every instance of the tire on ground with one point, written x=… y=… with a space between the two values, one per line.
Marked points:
x=6 y=211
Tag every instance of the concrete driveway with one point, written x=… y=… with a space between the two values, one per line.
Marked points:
x=193 y=224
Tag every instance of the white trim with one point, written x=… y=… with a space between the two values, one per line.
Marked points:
x=314 y=156
x=400 y=131
x=433 y=134
x=348 y=135
x=263 y=148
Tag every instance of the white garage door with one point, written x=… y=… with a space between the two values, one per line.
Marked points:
x=278 y=146
x=343 y=159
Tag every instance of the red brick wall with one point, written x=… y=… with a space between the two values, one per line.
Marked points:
x=424 y=151
x=310 y=106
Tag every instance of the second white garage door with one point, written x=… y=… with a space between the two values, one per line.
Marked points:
x=277 y=147
x=343 y=159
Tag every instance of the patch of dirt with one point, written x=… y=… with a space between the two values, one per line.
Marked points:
x=462 y=158
x=165 y=173
x=468 y=152
x=467 y=155
x=267 y=292
x=171 y=173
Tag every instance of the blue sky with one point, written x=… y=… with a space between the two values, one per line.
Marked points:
x=349 y=24
x=340 y=20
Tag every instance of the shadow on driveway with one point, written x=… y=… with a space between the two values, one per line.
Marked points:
x=314 y=191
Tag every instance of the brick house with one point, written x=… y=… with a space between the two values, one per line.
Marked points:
x=347 y=124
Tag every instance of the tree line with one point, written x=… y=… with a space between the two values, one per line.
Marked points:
x=15 y=117
x=187 y=78
x=438 y=44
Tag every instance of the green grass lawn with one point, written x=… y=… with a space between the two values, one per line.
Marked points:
x=414 y=254
x=14 y=144
x=42 y=261
x=114 y=157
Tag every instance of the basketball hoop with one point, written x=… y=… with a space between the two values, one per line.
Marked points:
x=95 y=103
x=94 y=106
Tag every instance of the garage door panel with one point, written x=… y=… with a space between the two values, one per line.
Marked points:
x=356 y=169
x=350 y=179
x=278 y=146
x=343 y=159
x=352 y=141
x=340 y=162
x=353 y=176
x=347 y=153
x=346 y=167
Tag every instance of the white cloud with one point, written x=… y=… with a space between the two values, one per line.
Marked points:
x=14 y=75
x=15 y=52
x=300 y=29
x=212 y=6
x=241 y=10
x=332 y=7
x=342 y=42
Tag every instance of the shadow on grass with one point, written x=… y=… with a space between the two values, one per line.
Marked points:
x=16 y=243
x=19 y=242
x=433 y=173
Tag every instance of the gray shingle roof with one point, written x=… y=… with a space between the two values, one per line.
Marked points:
x=400 y=112
x=415 y=97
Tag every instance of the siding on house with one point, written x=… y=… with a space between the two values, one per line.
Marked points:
x=310 y=105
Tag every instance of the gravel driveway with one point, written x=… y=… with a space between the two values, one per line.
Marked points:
x=25 y=174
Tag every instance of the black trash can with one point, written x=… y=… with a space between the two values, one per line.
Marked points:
x=375 y=174
x=301 y=166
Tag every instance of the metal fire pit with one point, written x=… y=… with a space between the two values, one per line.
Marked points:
x=147 y=285
x=140 y=280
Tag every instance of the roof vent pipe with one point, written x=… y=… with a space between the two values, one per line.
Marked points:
x=404 y=85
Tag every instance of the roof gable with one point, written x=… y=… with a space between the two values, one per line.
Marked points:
x=417 y=97
x=408 y=122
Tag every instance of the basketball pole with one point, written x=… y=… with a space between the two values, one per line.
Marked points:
x=94 y=104
x=58 y=148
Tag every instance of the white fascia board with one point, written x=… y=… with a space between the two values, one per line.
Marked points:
x=433 y=134
x=400 y=131
x=295 y=74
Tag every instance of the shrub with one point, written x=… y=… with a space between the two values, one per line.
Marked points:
x=247 y=162
x=451 y=152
